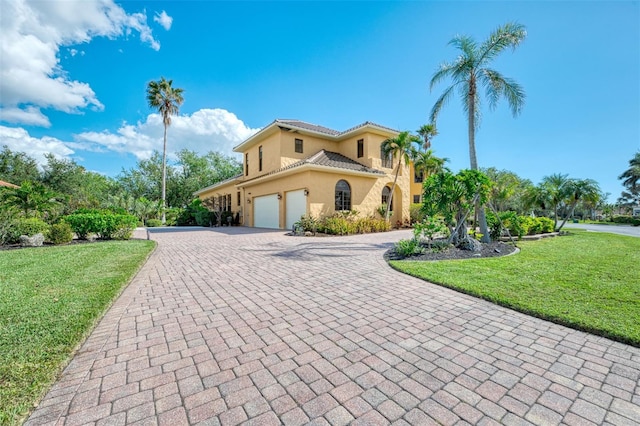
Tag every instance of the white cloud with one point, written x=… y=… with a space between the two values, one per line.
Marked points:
x=29 y=115
x=163 y=19
x=203 y=131
x=32 y=33
x=18 y=139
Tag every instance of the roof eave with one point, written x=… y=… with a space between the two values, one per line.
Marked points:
x=307 y=167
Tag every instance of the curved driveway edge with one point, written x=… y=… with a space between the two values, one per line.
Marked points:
x=241 y=326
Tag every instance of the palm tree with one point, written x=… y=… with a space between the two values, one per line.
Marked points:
x=401 y=146
x=426 y=162
x=470 y=69
x=555 y=189
x=631 y=177
x=31 y=198
x=577 y=190
x=166 y=99
x=427 y=132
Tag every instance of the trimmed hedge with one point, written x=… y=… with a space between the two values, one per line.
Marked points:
x=518 y=226
x=106 y=225
x=60 y=233
x=29 y=227
x=342 y=224
x=635 y=221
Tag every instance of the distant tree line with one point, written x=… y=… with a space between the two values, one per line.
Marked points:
x=61 y=186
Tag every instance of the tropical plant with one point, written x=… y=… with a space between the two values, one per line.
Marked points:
x=403 y=147
x=31 y=198
x=426 y=162
x=472 y=68
x=585 y=190
x=162 y=96
x=552 y=192
x=427 y=132
x=453 y=197
x=631 y=181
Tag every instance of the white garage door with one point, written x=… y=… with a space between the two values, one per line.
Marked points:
x=296 y=205
x=266 y=213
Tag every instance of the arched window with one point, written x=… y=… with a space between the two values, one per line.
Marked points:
x=386 y=194
x=343 y=196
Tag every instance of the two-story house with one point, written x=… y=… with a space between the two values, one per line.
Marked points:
x=293 y=168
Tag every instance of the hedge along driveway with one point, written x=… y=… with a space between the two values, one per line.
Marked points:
x=50 y=298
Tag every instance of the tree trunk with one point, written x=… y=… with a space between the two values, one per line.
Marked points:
x=573 y=207
x=393 y=188
x=482 y=217
x=164 y=176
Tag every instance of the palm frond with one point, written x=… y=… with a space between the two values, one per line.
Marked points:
x=508 y=35
x=444 y=70
x=465 y=43
x=497 y=86
x=440 y=102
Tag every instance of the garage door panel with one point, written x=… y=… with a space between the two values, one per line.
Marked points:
x=296 y=206
x=266 y=212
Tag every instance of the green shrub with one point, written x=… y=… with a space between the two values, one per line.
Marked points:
x=307 y=223
x=7 y=226
x=154 y=223
x=171 y=216
x=81 y=223
x=416 y=214
x=60 y=233
x=635 y=221
x=204 y=217
x=29 y=227
x=106 y=225
x=407 y=248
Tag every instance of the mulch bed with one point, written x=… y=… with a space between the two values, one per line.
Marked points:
x=493 y=249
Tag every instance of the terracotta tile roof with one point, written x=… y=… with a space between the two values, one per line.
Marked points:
x=327 y=159
x=320 y=129
x=339 y=161
x=369 y=123
x=8 y=185
x=308 y=126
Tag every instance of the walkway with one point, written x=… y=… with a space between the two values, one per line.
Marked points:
x=236 y=325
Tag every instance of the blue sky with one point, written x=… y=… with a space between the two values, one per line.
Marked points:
x=73 y=76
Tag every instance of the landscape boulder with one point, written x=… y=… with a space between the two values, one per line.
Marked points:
x=35 y=241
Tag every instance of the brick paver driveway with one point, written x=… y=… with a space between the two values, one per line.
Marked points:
x=237 y=325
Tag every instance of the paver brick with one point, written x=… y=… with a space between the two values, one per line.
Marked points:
x=236 y=325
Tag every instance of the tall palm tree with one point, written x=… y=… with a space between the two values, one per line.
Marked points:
x=427 y=132
x=166 y=99
x=472 y=68
x=402 y=146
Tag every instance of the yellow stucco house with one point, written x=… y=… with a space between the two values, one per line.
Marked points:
x=293 y=168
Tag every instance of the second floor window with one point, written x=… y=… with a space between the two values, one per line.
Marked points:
x=238 y=197
x=387 y=159
x=360 y=148
x=246 y=164
x=299 y=145
x=418 y=177
x=260 y=158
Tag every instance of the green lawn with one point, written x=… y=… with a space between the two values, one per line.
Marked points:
x=585 y=280
x=50 y=299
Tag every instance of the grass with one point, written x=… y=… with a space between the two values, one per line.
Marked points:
x=50 y=299
x=585 y=280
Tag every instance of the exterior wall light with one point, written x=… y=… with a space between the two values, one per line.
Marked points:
x=306 y=192
x=279 y=196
